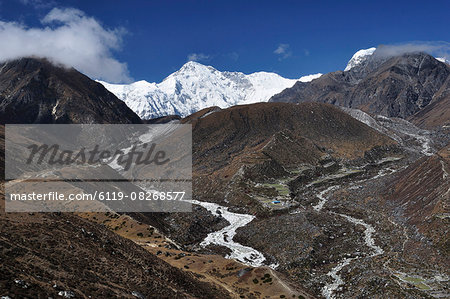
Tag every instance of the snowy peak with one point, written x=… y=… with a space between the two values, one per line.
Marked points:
x=196 y=86
x=193 y=65
x=359 y=57
x=194 y=68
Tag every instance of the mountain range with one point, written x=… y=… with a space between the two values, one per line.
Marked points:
x=196 y=86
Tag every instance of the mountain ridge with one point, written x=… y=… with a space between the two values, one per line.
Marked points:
x=399 y=86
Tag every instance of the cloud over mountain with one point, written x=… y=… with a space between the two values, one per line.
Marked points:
x=70 y=37
x=435 y=48
x=198 y=57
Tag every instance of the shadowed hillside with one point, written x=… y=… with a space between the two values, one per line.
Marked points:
x=36 y=91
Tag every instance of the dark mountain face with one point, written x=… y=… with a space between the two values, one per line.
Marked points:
x=437 y=112
x=36 y=91
x=400 y=86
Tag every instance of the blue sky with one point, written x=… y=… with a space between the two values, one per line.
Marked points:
x=156 y=37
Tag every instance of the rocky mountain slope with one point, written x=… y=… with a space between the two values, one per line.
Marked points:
x=195 y=86
x=62 y=254
x=315 y=179
x=412 y=86
x=36 y=91
x=424 y=199
x=436 y=113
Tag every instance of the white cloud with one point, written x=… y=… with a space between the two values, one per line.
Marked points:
x=198 y=57
x=435 y=48
x=69 y=37
x=283 y=51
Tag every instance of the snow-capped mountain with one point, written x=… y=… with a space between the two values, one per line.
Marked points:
x=362 y=55
x=196 y=86
x=359 y=57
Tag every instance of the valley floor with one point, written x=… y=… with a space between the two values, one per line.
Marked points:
x=338 y=236
x=343 y=240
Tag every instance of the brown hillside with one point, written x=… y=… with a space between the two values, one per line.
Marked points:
x=289 y=134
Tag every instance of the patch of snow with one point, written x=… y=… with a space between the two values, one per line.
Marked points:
x=66 y=294
x=443 y=59
x=309 y=78
x=138 y=295
x=54 y=108
x=210 y=112
x=444 y=172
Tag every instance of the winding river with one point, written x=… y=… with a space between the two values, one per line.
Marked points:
x=224 y=237
x=330 y=288
x=250 y=256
